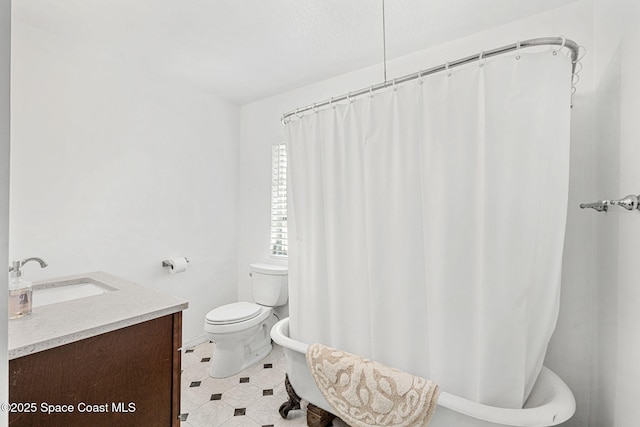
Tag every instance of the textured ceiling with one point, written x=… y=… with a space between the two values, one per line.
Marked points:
x=245 y=50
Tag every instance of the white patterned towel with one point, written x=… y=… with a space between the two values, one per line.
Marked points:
x=364 y=393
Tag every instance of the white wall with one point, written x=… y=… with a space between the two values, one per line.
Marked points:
x=116 y=169
x=5 y=71
x=572 y=350
x=617 y=67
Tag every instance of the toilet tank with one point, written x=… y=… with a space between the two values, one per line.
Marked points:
x=269 y=283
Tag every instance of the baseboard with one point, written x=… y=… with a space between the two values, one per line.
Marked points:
x=194 y=342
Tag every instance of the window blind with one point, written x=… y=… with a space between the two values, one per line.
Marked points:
x=279 y=243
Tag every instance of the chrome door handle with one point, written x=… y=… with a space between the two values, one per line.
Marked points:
x=630 y=202
x=601 y=206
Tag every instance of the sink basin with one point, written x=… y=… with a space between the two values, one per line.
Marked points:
x=52 y=293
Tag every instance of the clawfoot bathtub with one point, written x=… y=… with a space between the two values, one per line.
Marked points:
x=550 y=402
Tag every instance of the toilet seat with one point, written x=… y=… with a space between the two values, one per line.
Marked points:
x=237 y=326
x=233 y=313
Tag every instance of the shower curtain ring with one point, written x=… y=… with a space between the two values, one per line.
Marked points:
x=575 y=78
x=555 y=52
x=481 y=59
x=420 y=77
x=446 y=67
x=298 y=113
x=583 y=53
x=518 y=50
x=315 y=109
x=331 y=104
x=371 y=91
x=395 y=88
x=578 y=69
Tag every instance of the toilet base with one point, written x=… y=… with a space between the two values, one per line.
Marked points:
x=227 y=362
x=233 y=355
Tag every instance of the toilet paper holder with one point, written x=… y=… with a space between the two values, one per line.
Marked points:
x=167 y=263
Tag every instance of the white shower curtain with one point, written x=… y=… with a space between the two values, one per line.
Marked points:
x=427 y=224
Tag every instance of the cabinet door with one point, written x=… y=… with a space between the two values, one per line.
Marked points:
x=124 y=377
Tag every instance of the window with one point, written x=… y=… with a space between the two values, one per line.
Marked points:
x=279 y=242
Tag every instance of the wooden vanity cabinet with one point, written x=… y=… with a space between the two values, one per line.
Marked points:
x=127 y=377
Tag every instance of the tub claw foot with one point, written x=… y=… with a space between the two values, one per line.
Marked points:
x=294 y=400
x=318 y=417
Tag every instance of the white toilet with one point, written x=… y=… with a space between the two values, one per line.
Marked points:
x=240 y=331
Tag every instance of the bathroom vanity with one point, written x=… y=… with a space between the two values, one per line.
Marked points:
x=109 y=358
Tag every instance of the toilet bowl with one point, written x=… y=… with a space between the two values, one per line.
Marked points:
x=240 y=330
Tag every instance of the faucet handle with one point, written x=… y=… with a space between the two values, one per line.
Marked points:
x=14 y=269
x=15 y=266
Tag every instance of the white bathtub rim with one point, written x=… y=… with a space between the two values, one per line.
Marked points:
x=559 y=405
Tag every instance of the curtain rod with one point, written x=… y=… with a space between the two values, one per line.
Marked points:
x=542 y=41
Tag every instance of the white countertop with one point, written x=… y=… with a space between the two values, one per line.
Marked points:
x=57 y=324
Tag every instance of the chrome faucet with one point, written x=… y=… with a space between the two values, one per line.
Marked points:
x=15 y=267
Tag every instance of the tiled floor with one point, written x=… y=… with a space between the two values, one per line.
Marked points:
x=248 y=399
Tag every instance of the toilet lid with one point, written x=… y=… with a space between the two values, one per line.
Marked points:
x=233 y=313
